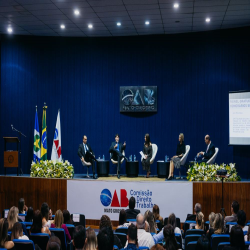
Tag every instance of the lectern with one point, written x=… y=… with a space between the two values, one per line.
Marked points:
x=10 y=157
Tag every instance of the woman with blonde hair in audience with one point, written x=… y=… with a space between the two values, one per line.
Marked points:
x=37 y=225
x=91 y=243
x=156 y=213
x=149 y=217
x=199 y=221
x=210 y=231
x=12 y=217
x=4 y=235
x=218 y=225
x=17 y=232
x=58 y=223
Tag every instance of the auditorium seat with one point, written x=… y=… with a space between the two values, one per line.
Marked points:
x=24 y=244
x=116 y=162
x=206 y=225
x=178 y=238
x=191 y=245
x=213 y=158
x=41 y=239
x=194 y=231
x=122 y=237
x=177 y=222
x=222 y=245
x=190 y=238
x=87 y=164
x=60 y=233
x=71 y=229
x=123 y=230
x=218 y=238
x=184 y=158
x=78 y=219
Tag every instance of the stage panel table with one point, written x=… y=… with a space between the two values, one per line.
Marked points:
x=132 y=168
x=102 y=168
x=163 y=169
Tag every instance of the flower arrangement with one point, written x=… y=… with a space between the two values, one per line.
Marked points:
x=203 y=172
x=52 y=169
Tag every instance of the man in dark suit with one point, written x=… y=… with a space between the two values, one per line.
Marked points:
x=210 y=150
x=132 y=212
x=116 y=149
x=86 y=154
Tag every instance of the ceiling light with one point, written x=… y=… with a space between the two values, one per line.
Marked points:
x=90 y=26
x=62 y=26
x=77 y=12
x=208 y=20
x=176 y=5
x=9 y=30
x=147 y=22
x=119 y=24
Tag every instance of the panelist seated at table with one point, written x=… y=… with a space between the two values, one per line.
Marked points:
x=176 y=160
x=86 y=154
x=116 y=150
x=210 y=150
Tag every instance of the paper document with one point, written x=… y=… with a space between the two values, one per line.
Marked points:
x=143 y=156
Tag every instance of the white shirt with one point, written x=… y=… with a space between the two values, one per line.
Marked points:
x=24 y=237
x=145 y=239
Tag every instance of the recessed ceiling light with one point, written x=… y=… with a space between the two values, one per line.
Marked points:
x=207 y=19
x=147 y=22
x=176 y=5
x=90 y=26
x=9 y=30
x=62 y=26
x=77 y=12
x=118 y=24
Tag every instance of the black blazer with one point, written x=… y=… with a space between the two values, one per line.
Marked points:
x=132 y=213
x=210 y=152
x=81 y=151
x=121 y=147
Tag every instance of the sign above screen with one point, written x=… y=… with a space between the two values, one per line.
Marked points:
x=239 y=118
x=138 y=99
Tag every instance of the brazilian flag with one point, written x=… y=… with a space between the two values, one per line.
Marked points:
x=44 y=137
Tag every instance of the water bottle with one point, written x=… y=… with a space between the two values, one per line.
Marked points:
x=130 y=158
x=103 y=157
x=166 y=158
x=134 y=158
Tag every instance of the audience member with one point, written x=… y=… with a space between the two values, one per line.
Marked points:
x=58 y=223
x=67 y=217
x=149 y=217
x=199 y=221
x=241 y=220
x=91 y=242
x=21 y=206
x=132 y=212
x=197 y=209
x=17 y=232
x=37 y=225
x=79 y=237
x=4 y=235
x=170 y=242
x=157 y=247
x=54 y=243
x=50 y=214
x=12 y=217
x=29 y=215
x=234 y=210
x=247 y=236
x=203 y=243
x=236 y=239
x=106 y=222
x=218 y=226
x=132 y=238
x=123 y=219
x=210 y=231
x=156 y=212
x=45 y=215
x=105 y=239
x=172 y=222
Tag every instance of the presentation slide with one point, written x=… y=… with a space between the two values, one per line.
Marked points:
x=239 y=118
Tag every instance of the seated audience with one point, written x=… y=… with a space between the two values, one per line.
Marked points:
x=199 y=221
x=123 y=219
x=58 y=223
x=172 y=222
x=37 y=225
x=21 y=206
x=247 y=236
x=106 y=222
x=210 y=150
x=54 y=243
x=4 y=243
x=144 y=238
x=149 y=217
x=105 y=239
x=236 y=239
x=67 y=217
x=147 y=227
x=234 y=210
x=203 y=243
x=241 y=220
x=210 y=231
x=218 y=226
x=79 y=237
x=156 y=212
x=45 y=215
x=91 y=242
x=197 y=209
x=132 y=212
x=170 y=242
x=12 y=217
x=17 y=232
x=157 y=247
x=132 y=238
x=50 y=214
x=29 y=215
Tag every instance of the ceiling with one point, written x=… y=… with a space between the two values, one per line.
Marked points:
x=44 y=17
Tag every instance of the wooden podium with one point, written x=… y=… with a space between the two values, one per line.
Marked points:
x=10 y=157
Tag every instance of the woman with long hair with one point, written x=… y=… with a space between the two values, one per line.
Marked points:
x=29 y=215
x=149 y=217
x=156 y=213
x=172 y=222
x=170 y=242
x=17 y=232
x=147 y=151
x=91 y=243
x=236 y=239
x=123 y=219
x=58 y=223
x=4 y=235
x=67 y=217
x=45 y=215
x=12 y=217
x=37 y=225
x=218 y=225
x=199 y=221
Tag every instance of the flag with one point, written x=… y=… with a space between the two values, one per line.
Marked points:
x=56 y=153
x=44 y=137
x=36 y=147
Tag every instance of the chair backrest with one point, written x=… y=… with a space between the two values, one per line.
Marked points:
x=41 y=239
x=177 y=222
x=207 y=225
x=195 y=231
x=154 y=152
x=213 y=158
x=222 y=244
x=60 y=233
x=115 y=162
x=191 y=245
x=24 y=244
x=186 y=225
x=143 y=248
x=122 y=237
x=123 y=230
x=218 y=238
x=191 y=237
x=78 y=219
x=5 y=213
x=21 y=216
x=71 y=229
x=184 y=157
x=178 y=238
